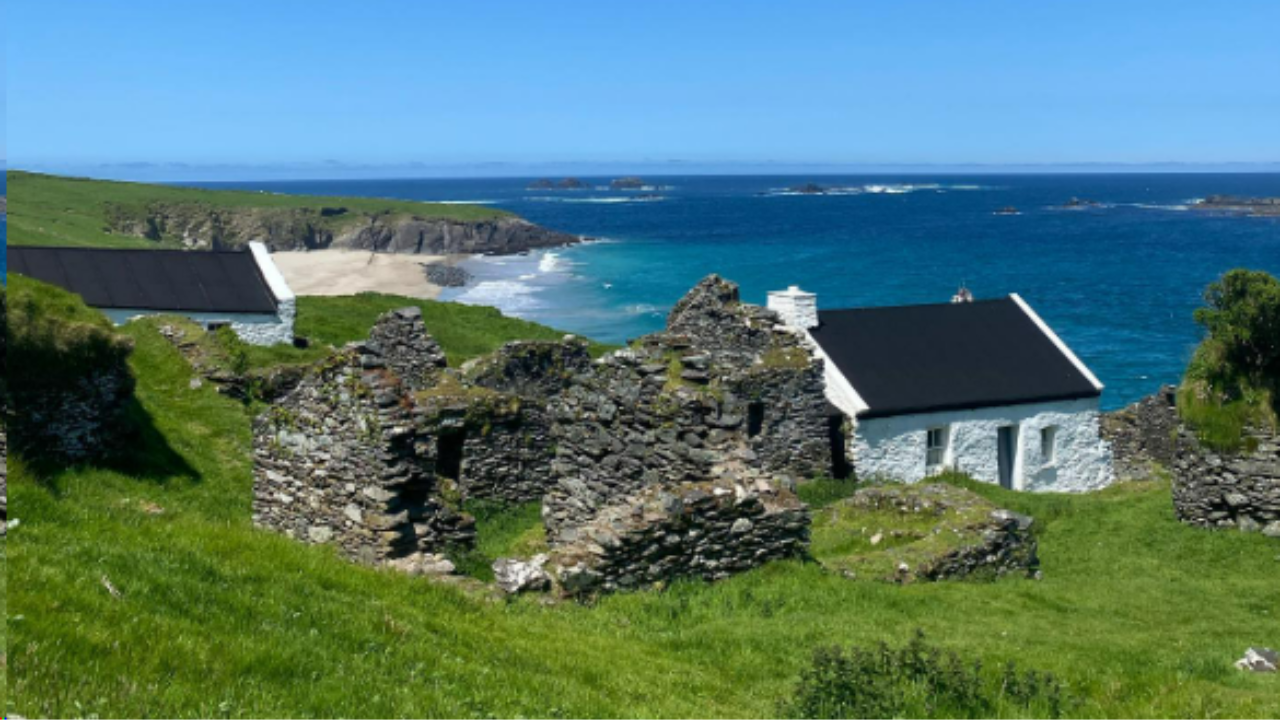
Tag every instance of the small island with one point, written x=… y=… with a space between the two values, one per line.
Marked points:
x=1253 y=207
x=1008 y=210
x=569 y=183
x=1076 y=203
x=809 y=189
x=628 y=183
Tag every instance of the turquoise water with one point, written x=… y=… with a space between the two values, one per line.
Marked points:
x=1118 y=281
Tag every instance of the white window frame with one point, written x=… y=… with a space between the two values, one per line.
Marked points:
x=1049 y=444
x=936 y=442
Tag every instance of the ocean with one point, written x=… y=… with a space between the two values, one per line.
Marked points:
x=1118 y=280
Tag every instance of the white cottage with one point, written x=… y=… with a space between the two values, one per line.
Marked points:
x=241 y=289
x=982 y=387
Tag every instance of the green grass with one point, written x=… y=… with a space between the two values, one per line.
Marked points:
x=464 y=331
x=502 y=531
x=54 y=210
x=1138 y=613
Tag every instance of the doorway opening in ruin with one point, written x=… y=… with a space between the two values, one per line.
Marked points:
x=840 y=467
x=755 y=418
x=449 y=454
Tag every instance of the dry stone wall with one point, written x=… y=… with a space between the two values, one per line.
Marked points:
x=677 y=405
x=1216 y=490
x=338 y=461
x=1142 y=435
x=709 y=530
x=670 y=458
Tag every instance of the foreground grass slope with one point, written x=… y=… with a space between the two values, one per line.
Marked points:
x=211 y=617
x=54 y=210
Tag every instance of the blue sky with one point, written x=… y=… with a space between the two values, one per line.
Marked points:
x=461 y=84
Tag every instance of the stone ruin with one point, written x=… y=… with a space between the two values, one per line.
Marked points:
x=672 y=457
x=1210 y=489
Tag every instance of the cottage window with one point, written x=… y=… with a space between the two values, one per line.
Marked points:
x=1047 y=437
x=935 y=449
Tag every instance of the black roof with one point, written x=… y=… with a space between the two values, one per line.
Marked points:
x=925 y=358
x=165 y=280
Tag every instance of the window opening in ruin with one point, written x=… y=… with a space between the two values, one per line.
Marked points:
x=841 y=469
x=449 y=454
x=755 y=418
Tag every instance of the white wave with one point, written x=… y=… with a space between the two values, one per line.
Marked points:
x=1156 y=206
x=642 y=309
x=598 y=200
x=510 y=296
x=878 y=189
x=554 y=262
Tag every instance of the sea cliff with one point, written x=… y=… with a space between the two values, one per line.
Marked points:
x=82 y=212
x=200 y=226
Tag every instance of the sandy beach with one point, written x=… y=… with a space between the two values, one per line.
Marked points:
x=347 y=272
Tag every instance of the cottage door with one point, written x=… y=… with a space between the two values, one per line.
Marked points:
x=1006 y=441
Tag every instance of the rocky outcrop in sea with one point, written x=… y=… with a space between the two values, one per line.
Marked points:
x=1255 y=207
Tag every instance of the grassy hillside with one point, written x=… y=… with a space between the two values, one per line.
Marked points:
x=53 y=210
x=211 y=617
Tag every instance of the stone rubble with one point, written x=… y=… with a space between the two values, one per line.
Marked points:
x=707 y=529
x=516 y=576
x=1212 y=489
x=1259 y=660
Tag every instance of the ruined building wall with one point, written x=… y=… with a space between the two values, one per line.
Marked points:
x=677 y=406
x=337 y=461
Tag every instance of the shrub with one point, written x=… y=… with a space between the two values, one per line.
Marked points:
x=1233 y=380
x=1242 y=316
x=918 y=680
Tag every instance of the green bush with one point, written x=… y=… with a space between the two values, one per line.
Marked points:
x=1233 y=379
x=1242 y=316
x=918 y=680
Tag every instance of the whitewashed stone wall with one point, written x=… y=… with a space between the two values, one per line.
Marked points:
x=253 y=328
x=894 y=447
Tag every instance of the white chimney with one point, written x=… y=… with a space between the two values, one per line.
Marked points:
x=797 y=308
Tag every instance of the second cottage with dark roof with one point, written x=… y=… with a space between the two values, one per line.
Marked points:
x=983 y=387
x=241 y=289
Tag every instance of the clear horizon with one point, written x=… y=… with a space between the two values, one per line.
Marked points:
x=437 y=90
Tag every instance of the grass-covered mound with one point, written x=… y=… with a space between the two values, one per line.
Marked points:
x=67 y=381
x=1137 y=614
x=926 y=531
x=65 y=211
x=1233 y=380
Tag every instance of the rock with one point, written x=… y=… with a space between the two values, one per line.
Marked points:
x=428 y=564
x=809 y=189
x=518 y=576
x=1272 y=529
x=1260 y=660
x=448 y=276
x=627 y=183
x=320 y=533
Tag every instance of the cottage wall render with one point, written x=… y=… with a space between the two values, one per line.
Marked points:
x=895 y=447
